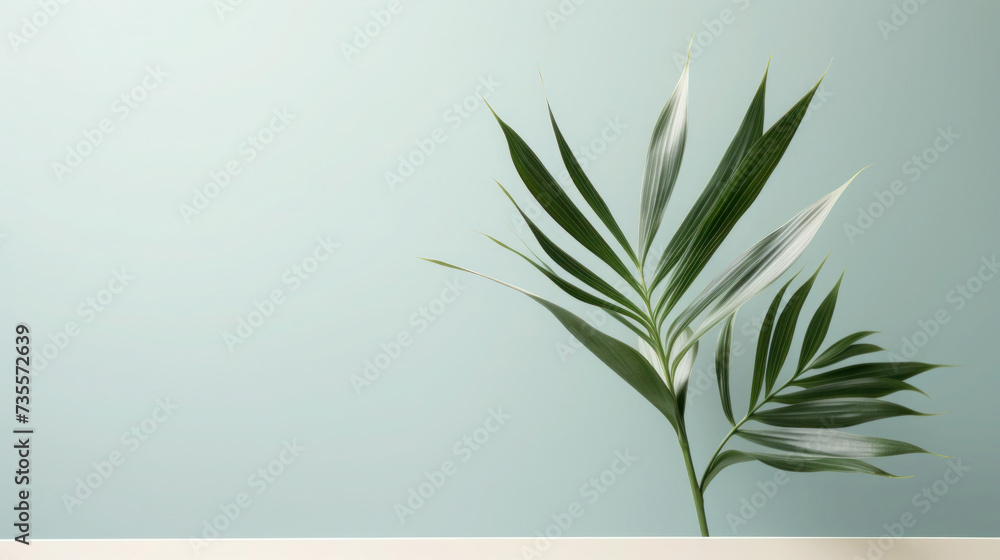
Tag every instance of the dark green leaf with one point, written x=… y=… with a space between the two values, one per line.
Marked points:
x=831 y=355
x=900 y=371
x=784 y=330
x=587 y=189
x=833 y=413
x=763 y=341
x=571 y=265
x=849 y=352
x=871 y=387
x=620 y=357
x=554 y=200
x=722 y=359
x=618 y=313
x=793 y=463
x=723 y=460
x=818 y=327
x=830 y=443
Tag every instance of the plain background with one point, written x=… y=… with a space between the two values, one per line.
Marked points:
x=887 y=94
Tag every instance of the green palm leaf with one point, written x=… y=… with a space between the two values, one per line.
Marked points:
x=829 y=443
x=554 y=200
x=663 y=161
x=736 y=197
x=818 y=327
x=794 y=463
x=864 y=387
x=763 y=342
x=842 y=350
x=900 y=371
x=587 y=189
x=833 y=413
x=784 y=329
x=722 y=359
x=750 y=130
x=620 y=357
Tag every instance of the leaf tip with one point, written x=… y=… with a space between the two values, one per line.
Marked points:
x=490 y=107
x=825 y=71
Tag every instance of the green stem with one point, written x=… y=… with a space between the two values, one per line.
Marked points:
x=696 y=493
x=699 y=498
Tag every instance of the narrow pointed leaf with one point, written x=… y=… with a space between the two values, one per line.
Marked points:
x=565 y=261
x=792 y=463
x=620 y=357
x=784 y=330
x=616 y=312
x=828 y=356
x=682 y=371
x=849 y=352
x=757 y=267
x=818 y=327
x=900 y=371
x=864 y=387
x=763 y=342
x=722 y=359
x=587 y=189
x=663 y=161
x=751 y=129
x=723 y=460
x=834 y=413
x=737 y=196
x=829 y=443
x=797 y=463
x=554 y=200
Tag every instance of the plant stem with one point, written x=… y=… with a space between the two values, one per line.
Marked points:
x=699 y=499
